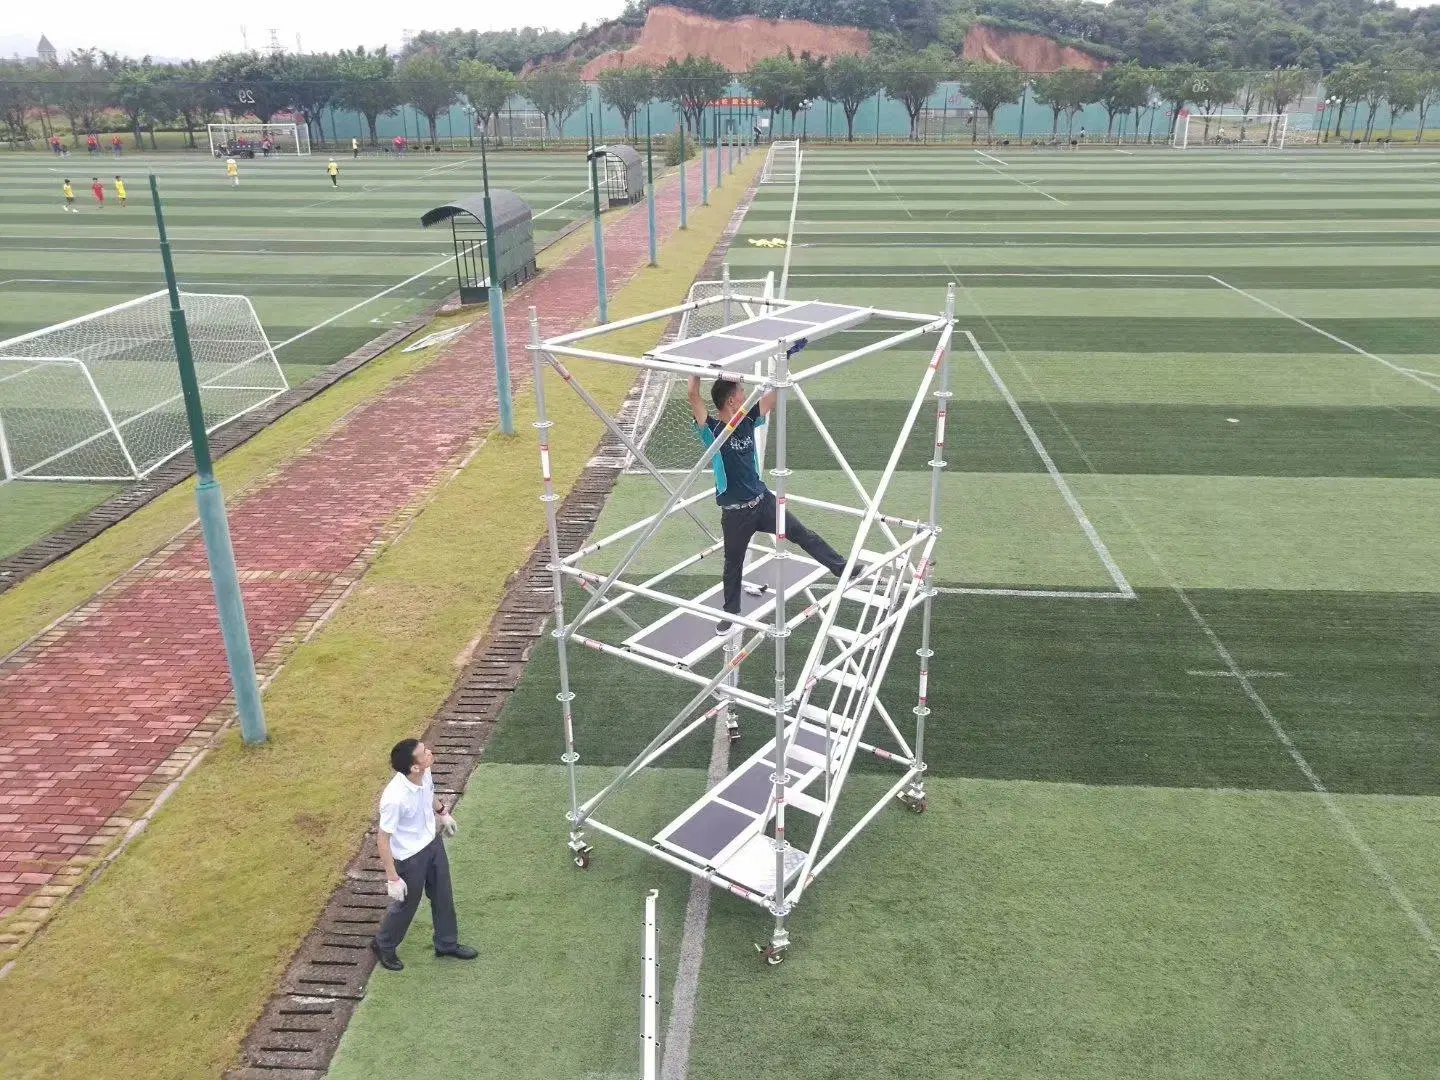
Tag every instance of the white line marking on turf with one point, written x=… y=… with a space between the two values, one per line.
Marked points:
x=1226 y=674
x=1337 y=812
x=790 y=229
x=675 y=1064
x=1086 y=526
x=1029 y=185
x=1127 y=153
x=874 y=180
x=993 y=158
x=562 y=202
x=1326 y=334
x=1044 y=594
x=362 y=303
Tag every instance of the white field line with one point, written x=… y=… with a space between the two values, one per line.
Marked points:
x=1337 y=812
x=1127 y=153
x=1043 y=594
x=187 y=284
x=1112 y=234
x=1406 y=372
x=947 y=274
x=874 y=180
x=1227 y=674
x=181 y=229
x=675 y=1064
x=1368 y=854
x=1417 y=371
x=346 y=193
x=559 y=204
x=781 y=290
x=993 y=158
x=362 y=303
x=1086 y=525
x=1029 y=185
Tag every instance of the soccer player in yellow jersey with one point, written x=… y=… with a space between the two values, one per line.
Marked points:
x=232 y=170
x=334 y=171
x=120 y=195
x=69 y=193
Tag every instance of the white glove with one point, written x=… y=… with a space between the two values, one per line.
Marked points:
x=448 y=825
x=396 y=889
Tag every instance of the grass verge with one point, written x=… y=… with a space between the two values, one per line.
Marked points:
x=183 y=939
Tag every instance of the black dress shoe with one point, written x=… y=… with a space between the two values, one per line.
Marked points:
x=388 y=960
x=459 y=952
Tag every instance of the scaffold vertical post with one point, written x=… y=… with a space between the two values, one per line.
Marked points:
x=915 y=794
x=779 y=936
x=579 y=850
x=650 y=991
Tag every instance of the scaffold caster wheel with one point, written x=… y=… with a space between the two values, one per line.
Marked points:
x=772 y=956
x=917 y=805
x=734 y=734
x=582 y=859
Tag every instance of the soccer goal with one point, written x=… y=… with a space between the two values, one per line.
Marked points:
x=98 y=397
x=1265 y=131
x=782 y=163
x=248 y=140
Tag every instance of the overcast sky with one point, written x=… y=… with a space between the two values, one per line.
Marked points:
x=177 y=29
x=180 y=29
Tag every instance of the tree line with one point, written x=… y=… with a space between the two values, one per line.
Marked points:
x=90 y=85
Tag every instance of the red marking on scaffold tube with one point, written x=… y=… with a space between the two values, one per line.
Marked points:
x=883 y=753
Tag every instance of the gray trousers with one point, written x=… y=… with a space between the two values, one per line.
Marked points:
x=427 y=869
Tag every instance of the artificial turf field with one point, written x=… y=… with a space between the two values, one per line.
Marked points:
x=1183 y=764
x=327 y=269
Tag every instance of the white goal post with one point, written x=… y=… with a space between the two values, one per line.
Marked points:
x=251 y=140
x=1264 y=131
x=98 y=397
x=782 y=163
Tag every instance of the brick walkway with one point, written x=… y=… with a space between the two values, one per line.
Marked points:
x=104 y=710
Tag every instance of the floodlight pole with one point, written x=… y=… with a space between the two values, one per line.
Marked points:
x=599 y=227
x=495 y=301
x=719 y=163
x=684 y=210
x=650 y=187
x=704 y=167
x=214 y=527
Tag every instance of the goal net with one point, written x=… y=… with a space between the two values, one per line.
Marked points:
x=1230 y=130
x=226 y=140
x=782 y=163
x=657 y=414
x=98 y=397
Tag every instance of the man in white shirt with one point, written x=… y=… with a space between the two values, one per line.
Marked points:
x=413 y=853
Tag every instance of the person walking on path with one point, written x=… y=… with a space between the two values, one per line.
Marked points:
x=413 y=853
x=355 y=148
x=747 y=506
x=334 y=172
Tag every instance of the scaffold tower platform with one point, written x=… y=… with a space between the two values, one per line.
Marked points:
x=824 y=714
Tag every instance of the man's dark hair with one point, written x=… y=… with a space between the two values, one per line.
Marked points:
x=402 y=755
x=721 y=391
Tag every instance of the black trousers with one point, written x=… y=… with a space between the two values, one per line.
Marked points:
x=738 y=528
x=428 y=870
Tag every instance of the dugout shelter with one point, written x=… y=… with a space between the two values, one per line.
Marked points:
x=514 y=241
x=621 y=172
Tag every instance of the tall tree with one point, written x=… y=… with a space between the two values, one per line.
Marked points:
x=84 y=90
x=627 y=90
x=851 y=81
x=911 y=79
x=691 y=85
x=991 y=86
x=1427 y=93
x=428 y=85
x=251 y=84
x=312 y=80
x=1124 y=88
x=487 y=88
x=556 y=92
x=366 y=85
x=1179 y=85
x=1278 y=88
x=1067 y=91
x=1402 y=93
x=190 y=94
x=17 y=97
x=777 y=82
x=138 y=88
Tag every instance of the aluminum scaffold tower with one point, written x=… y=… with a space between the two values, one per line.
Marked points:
x=735 y=835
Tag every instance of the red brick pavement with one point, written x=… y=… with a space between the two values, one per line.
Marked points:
x=89 y=714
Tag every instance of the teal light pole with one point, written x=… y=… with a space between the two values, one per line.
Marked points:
x=704 y=164
x=719 y=163
x=599 y=227
x=214 y=527
x=495 y=301
x=684 y=208
x=650 y=187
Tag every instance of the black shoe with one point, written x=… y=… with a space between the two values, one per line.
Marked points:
x=722 y=629
x=388 y=960
x=459 y=952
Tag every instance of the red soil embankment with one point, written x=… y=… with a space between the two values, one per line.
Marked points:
x=1028 y=52
x=735 y=43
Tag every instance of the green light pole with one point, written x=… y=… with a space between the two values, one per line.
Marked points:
x=495 y=301
x=704 y=165
x=650 y=187
x=214 y=527
x=599 y=227
x=684 y=209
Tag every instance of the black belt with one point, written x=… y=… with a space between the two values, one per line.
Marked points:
x=745 y=505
